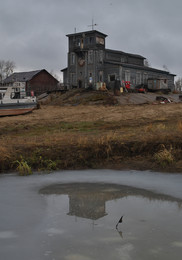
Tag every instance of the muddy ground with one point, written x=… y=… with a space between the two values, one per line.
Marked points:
x=95 y=130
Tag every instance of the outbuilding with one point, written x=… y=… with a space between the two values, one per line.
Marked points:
x=37 y=82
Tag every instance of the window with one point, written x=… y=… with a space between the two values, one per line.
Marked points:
x=145 y=78
x=72 y=78
x=78 y=42
x=100 y=40
x=90 y=40
x=17 y=84
x=138 y=78
x=101 y=54
x=90 y=57
x=127 y=75
x=90 y=78
x=81 y=46
x=101 y=76
x=123 y=59
x=112 y=77
x=72 y=58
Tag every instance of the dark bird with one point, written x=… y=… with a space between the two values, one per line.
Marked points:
x=120 y=221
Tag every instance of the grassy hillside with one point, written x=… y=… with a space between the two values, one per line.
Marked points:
x=76 y=131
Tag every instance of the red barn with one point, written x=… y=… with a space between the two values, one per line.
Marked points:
x=39 y=81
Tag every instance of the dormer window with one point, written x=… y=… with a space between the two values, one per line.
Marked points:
x=100 y=40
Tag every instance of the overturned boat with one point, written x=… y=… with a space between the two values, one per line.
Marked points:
x=15 y=102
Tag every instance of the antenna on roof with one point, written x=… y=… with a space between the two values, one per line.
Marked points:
x=93 y=24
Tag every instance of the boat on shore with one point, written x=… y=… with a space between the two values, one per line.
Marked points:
x=12 y=102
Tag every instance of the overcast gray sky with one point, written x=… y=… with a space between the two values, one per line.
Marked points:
x=33 y=32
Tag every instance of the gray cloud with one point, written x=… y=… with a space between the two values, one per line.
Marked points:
x=33 y=33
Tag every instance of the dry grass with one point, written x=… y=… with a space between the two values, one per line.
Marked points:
x=179 y=125
x=87 y=136
x=164 y=157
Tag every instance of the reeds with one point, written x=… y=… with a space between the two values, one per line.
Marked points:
x=22 y=167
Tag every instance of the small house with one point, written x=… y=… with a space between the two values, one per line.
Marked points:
x=37 y=82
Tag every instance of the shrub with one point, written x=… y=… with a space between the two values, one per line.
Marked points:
x=164 y=157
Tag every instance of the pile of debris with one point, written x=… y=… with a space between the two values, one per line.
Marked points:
x=163 y=100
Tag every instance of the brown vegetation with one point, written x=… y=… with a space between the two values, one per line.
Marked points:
x=69 y=135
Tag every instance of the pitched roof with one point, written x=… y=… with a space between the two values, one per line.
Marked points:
x=87 y=32
x=125 y=53
x=21 y=76
x=139 y=67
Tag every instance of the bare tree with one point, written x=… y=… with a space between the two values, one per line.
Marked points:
x=2 y=65
x=6 y=69
x=178 y=84
x=9 y=68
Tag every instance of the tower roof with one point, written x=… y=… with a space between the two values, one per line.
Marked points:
x=86 y=32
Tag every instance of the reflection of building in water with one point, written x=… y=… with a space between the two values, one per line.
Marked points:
x=88 y=200
x=86 y=206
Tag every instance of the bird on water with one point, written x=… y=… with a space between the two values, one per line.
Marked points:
x=120 y=221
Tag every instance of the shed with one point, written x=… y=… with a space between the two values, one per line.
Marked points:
x=39 y=81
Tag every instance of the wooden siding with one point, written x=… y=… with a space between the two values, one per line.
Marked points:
x=41 y=83
x=90 y=58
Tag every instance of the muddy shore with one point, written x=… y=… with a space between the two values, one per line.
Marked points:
x=94 y=132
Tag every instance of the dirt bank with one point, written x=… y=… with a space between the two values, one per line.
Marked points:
x=99 y=133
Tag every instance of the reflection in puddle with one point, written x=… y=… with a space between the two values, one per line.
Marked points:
x=151 y=226
x=88 y=200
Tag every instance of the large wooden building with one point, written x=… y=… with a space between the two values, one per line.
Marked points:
x=39 y=81
x=89 y=62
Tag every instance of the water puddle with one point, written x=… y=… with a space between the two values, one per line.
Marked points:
x=81 y=218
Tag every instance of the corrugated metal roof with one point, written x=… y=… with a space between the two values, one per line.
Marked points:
x=21 y=76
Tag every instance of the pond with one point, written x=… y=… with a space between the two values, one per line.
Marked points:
x=72 y=215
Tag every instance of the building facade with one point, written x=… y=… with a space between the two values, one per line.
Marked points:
x=38 y=82
x=90 y=63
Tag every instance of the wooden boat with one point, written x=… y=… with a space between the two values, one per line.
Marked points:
x=12 y=103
